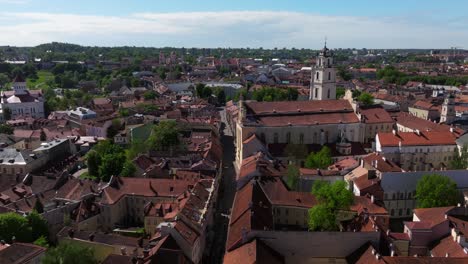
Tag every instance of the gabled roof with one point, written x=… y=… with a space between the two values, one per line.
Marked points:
x=255 y=252
x=414 y=139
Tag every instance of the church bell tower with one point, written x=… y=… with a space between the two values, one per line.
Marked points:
x=323 y=79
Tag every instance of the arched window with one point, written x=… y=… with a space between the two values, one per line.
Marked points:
x=262 y=137
x=316 y=92
x=317 y=76
x=275 y=138
x=400 y=212
x=301 y=138
x=407 y=211
x=328 y=93
x=328 y=62
x=315 y=138
x=392 y=212
x=329 y=76
x=326 y=136
x=288 y=137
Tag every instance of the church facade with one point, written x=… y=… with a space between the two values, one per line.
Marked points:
x=22 y=102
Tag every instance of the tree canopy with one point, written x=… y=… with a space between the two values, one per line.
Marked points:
x=24 y=229
x=460 y=161
x=366 y=98
x=293 y=176
x=6 y=129
x=434 y=190
x=270 y=94
x=331 y=199
x=69 y=253
x=164 y=136
x=105 y=160
x=319 y=160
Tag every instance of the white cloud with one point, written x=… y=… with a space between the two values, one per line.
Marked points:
x=226 y=29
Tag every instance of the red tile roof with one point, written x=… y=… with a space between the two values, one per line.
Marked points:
x=413 y=139
x=276 y=191
x=448 y=246
x=413 y=122
x=383 y=164
x=434 y=216
x=255 y=252
x=376 y=115
x=261 y=108
x=143 y=187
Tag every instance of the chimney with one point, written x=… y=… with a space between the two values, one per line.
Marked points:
x=451 y=129
x=394 y=132
x=372 y=198
x=362 y=163
x=447 y=255
x=388 y=232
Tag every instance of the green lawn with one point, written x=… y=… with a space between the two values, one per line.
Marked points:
x=40 y=83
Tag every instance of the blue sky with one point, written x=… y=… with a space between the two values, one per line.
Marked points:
x=239 y=23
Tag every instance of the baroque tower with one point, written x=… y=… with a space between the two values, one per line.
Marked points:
x=323 y=79
x=448 y=110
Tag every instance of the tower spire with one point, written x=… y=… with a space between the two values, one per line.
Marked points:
x=325 y=41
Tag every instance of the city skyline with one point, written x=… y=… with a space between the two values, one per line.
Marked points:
x=252 y=24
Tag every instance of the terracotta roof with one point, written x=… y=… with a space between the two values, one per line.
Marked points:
x=20 y=253
x=448 y=246
x=425 y=105
x=366 y=254
x=376 y=115
x=435 y=215
x=383 y=164
x=413 y=139
x=255 y=252
x=278 y=194
x=143 y=187
x=365 y=204
x=418 y=225
x=187 y=233
x=413 y=122
x=399 y=236
x=251 y=210
x=309 y=119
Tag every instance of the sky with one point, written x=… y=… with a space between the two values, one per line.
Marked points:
x=376 y=24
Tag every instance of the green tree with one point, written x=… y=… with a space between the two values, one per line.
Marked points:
x=340 y=92
x=3 y=79
x=460 y=160
x=366 y=98
x=6 y=129
x=434 y=190
x=128 y=169
x=319 y=160
x=38 y=225
x=114 y=128
x=164 y=136
x=14 y=225
x=331 y=198
x=93 y=160
x=293 y=176
x=150 y=95
x=69 y=253
x=111 y=165
x=6 y=113
x=136 y=147
x=42 y=242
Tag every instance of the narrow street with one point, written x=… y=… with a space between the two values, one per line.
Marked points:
x=227 y=190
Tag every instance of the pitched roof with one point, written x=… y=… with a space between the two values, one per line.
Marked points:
x=20 y=253
x=448 y=246
x=435 y=215
x=383 y=164
x=413 y=139
x=376 y=115
x=278 y=194
x=255 y=252
x=143 y=187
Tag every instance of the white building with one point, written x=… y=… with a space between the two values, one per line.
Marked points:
x=323 y=79
x=22 y=102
